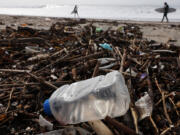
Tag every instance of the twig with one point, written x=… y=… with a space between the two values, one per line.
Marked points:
x=120 y=126
x=166 y=96
x=118 y=52
x=123 y=61
x=178 y=61
x=53 y=63
x=74 y=73
x=163 y=51
x=9 y=101
x=87 y=57
x=150 y=90
x=135 y=118
x=100 y=128
x=154 y=124
x=165 y=109
x=42 y=81
x=14 y=70
x=27 y=84
x=165 y=131
x=164 y=104
x=175 y=108
x=96 y=69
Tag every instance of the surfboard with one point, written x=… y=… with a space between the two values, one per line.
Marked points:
x=161 y=10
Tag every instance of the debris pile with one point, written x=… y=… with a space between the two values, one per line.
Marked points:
x=34 y=63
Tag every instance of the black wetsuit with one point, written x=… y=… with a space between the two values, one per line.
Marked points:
x=75 y=11
x=166 y=9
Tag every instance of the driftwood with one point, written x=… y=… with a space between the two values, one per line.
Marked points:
x=100 y=128
x=34 y=63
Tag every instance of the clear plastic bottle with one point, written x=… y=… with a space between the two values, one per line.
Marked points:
x=90 y=99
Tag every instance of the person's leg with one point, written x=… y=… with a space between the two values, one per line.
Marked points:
x=162 y=19
x=77 y=15
x=167 y=19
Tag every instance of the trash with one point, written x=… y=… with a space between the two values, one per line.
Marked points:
x=32 y=49
x=47 y=19
x=104 y=61
x=106 y=46
x=54 y=77
x=38 y=57
x=144 y=75
x=98 y=29
x=77 y=56
x=44 y=123
x=24 y=25
x=90 y=99
x=108 y=66
x=144 y=106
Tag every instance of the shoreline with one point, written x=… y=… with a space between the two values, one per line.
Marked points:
x=94 y=19
x=160 y=32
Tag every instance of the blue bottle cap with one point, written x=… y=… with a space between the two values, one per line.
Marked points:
x=47 y=108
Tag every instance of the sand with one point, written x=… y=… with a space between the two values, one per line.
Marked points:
x=160 y=32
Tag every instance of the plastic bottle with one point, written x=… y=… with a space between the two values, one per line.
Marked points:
x=90 y=99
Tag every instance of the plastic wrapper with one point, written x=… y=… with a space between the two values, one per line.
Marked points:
x=144 y=106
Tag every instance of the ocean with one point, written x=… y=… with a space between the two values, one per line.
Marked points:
x=103 y=9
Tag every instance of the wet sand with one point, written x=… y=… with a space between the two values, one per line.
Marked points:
x=160 y=32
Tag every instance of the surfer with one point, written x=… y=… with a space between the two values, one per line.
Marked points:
x=166 y=9
x=75 y=11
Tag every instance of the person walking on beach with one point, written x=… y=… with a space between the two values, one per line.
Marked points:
x=166 y=9
x=75 y=11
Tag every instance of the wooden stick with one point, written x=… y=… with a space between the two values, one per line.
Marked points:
x=100 y=128
x=163 y=51
x=165 y=109
x=119 y=52
x=87 y=57
x=53 y=63
x=178 y=61
x=96 y=69
x=175 y=108
x=42 y=81
x=27 y=84
x=164 y=104
x=10 y=97
x=14 y=70
x=120 y=126
x=135 y=119
x=74 y=73
x=154 y=124
x=166 y=96
x=165 y=131
x=150 y=90
x=123 y=61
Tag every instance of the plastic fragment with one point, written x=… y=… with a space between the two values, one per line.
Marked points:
x=105 y=60
x=144 y=106
x=144 y=75
x=32 y=49
x=44 y=123
x=106 y=46
x=98 y=29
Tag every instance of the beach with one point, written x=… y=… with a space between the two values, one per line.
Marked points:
x=41 y=54
x=152 y=30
